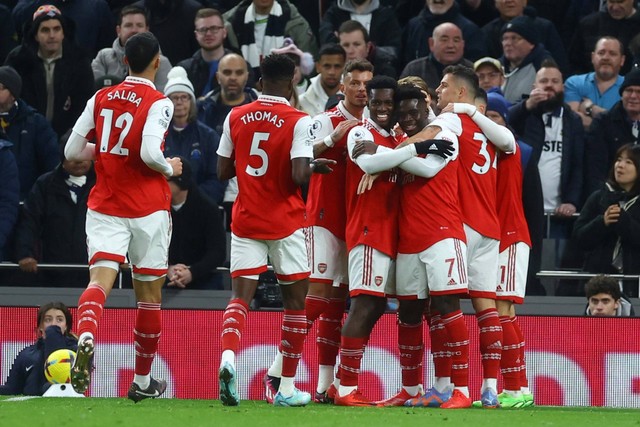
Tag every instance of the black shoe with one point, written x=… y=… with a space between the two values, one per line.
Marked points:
x=155 y=389
x=81 y=370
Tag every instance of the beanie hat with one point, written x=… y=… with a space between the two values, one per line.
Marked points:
x=632 y=78
x=45 y=13
x=496 y=102
x=11 y=80
x=305 y=58
x=178 y=81
x=184 y=179
x=522 y=25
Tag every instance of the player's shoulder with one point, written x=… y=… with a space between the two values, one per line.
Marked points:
x=449 y=121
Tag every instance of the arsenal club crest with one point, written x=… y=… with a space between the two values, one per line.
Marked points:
x=378 y=280
x=322 y=267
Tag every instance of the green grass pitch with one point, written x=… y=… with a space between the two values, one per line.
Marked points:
x=89 y=412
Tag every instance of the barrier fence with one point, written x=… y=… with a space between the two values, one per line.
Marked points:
x=573 y=361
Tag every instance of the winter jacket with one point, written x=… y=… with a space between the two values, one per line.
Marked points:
x=9 y=195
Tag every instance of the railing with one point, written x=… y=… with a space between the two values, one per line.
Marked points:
x=581 y=275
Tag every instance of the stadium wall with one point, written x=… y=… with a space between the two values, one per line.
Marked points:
x=572 y=361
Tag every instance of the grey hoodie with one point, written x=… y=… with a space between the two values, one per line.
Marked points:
x=350 y=7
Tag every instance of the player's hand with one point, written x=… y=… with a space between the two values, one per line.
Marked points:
x=322 y=165
x=565 y=210
x=364 y=147
x=439 y=147
x=611 y=215
x=176 y=165
x=341 y=130
x=28 y=265
x=448 y=108
x=366 y=182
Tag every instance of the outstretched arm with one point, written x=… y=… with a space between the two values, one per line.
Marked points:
x=499 y=135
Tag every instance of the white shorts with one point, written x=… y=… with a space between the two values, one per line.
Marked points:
x=512 y=273
x=441 y=269
x=146 y=240
x=482 y=256
x=327 y=257
x=288 y=256
x=371 y=272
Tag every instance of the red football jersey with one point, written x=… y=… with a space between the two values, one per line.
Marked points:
x=118 y=117
x=513 y=224
x=264 y=136
x=372 y=217
x=326 y=198
x=477 y=174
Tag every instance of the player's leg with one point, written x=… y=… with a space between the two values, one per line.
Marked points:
x=107 y=242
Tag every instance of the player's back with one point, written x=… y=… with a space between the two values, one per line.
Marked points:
x=513 y=223
x=125 y=185
x=269 y=203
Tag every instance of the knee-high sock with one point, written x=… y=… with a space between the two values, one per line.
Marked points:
x=294 y=331
x=458 y=345
x=146 y=335
x=490 y=342
x=510 y=362
x=329 y=330
x=314 y=306
x=524 y=382
x=439 y=349
x=233 y=321
x=351 y=352
x=411 y=346
x=90 y=307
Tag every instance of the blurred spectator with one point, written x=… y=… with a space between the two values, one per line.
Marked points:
x=51 y=229
x=8 y=34
x=56 y=76
x=547 y=32
x=190 y=138
x=379 y=21
x=354 y=39
x=546 y=123
x=53 y=332
x=329 y=66
x=9 y=196
x=436 y=12
x=91 y=22
x=35 y=144
x=304 y=64
x=608 y=227
x=254 y=27
x=490 y=74
x=620 y=20
x=596 y=92
x=198 y=241
x=523 y=56
x=110 y=61
x=604 y=298
x=447 y=47
x=172 y=22
x=611 y=130
x=201 y=68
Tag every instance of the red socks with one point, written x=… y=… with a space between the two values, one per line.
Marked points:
x=524 y=382
x=314 y=307
x=233 y=321
x=329 y=330
x=351 y=352
x=146 y=335
x=90 y=307
x=411 y=346
x=439 y=349
x=294 y=331
x=458 y=344
x=510 y=361
x=490 y=342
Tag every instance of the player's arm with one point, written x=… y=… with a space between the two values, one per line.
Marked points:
x=499 y=135
x=302 y=163
x=226 y=168
x=333 y=137
x=155 y=128
x=78 y=147
x=429 y=166
x=427 y=133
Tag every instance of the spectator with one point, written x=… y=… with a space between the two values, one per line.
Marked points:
x=608 y=227
x=304 y=64
x=56 y=75
x=34 y=143
x=329 y=66
x=53 y=332
x=611 y=130
x=190 y=138
x=604 y=298
x=490 y=74
x=522 y=58
x=255 y=27
x=547 y=33
x=354 y=39
x=51 y=228
x=446 y=48
x=198 y=241
x=556 y=135
x=596 y=92
x=9 y=195
x=172 y=22
x=621 y=20
x=110 y=61
x=91 y=19
x=436 y=12
x=379 y=21
x=8 y=35
x=202 y=66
